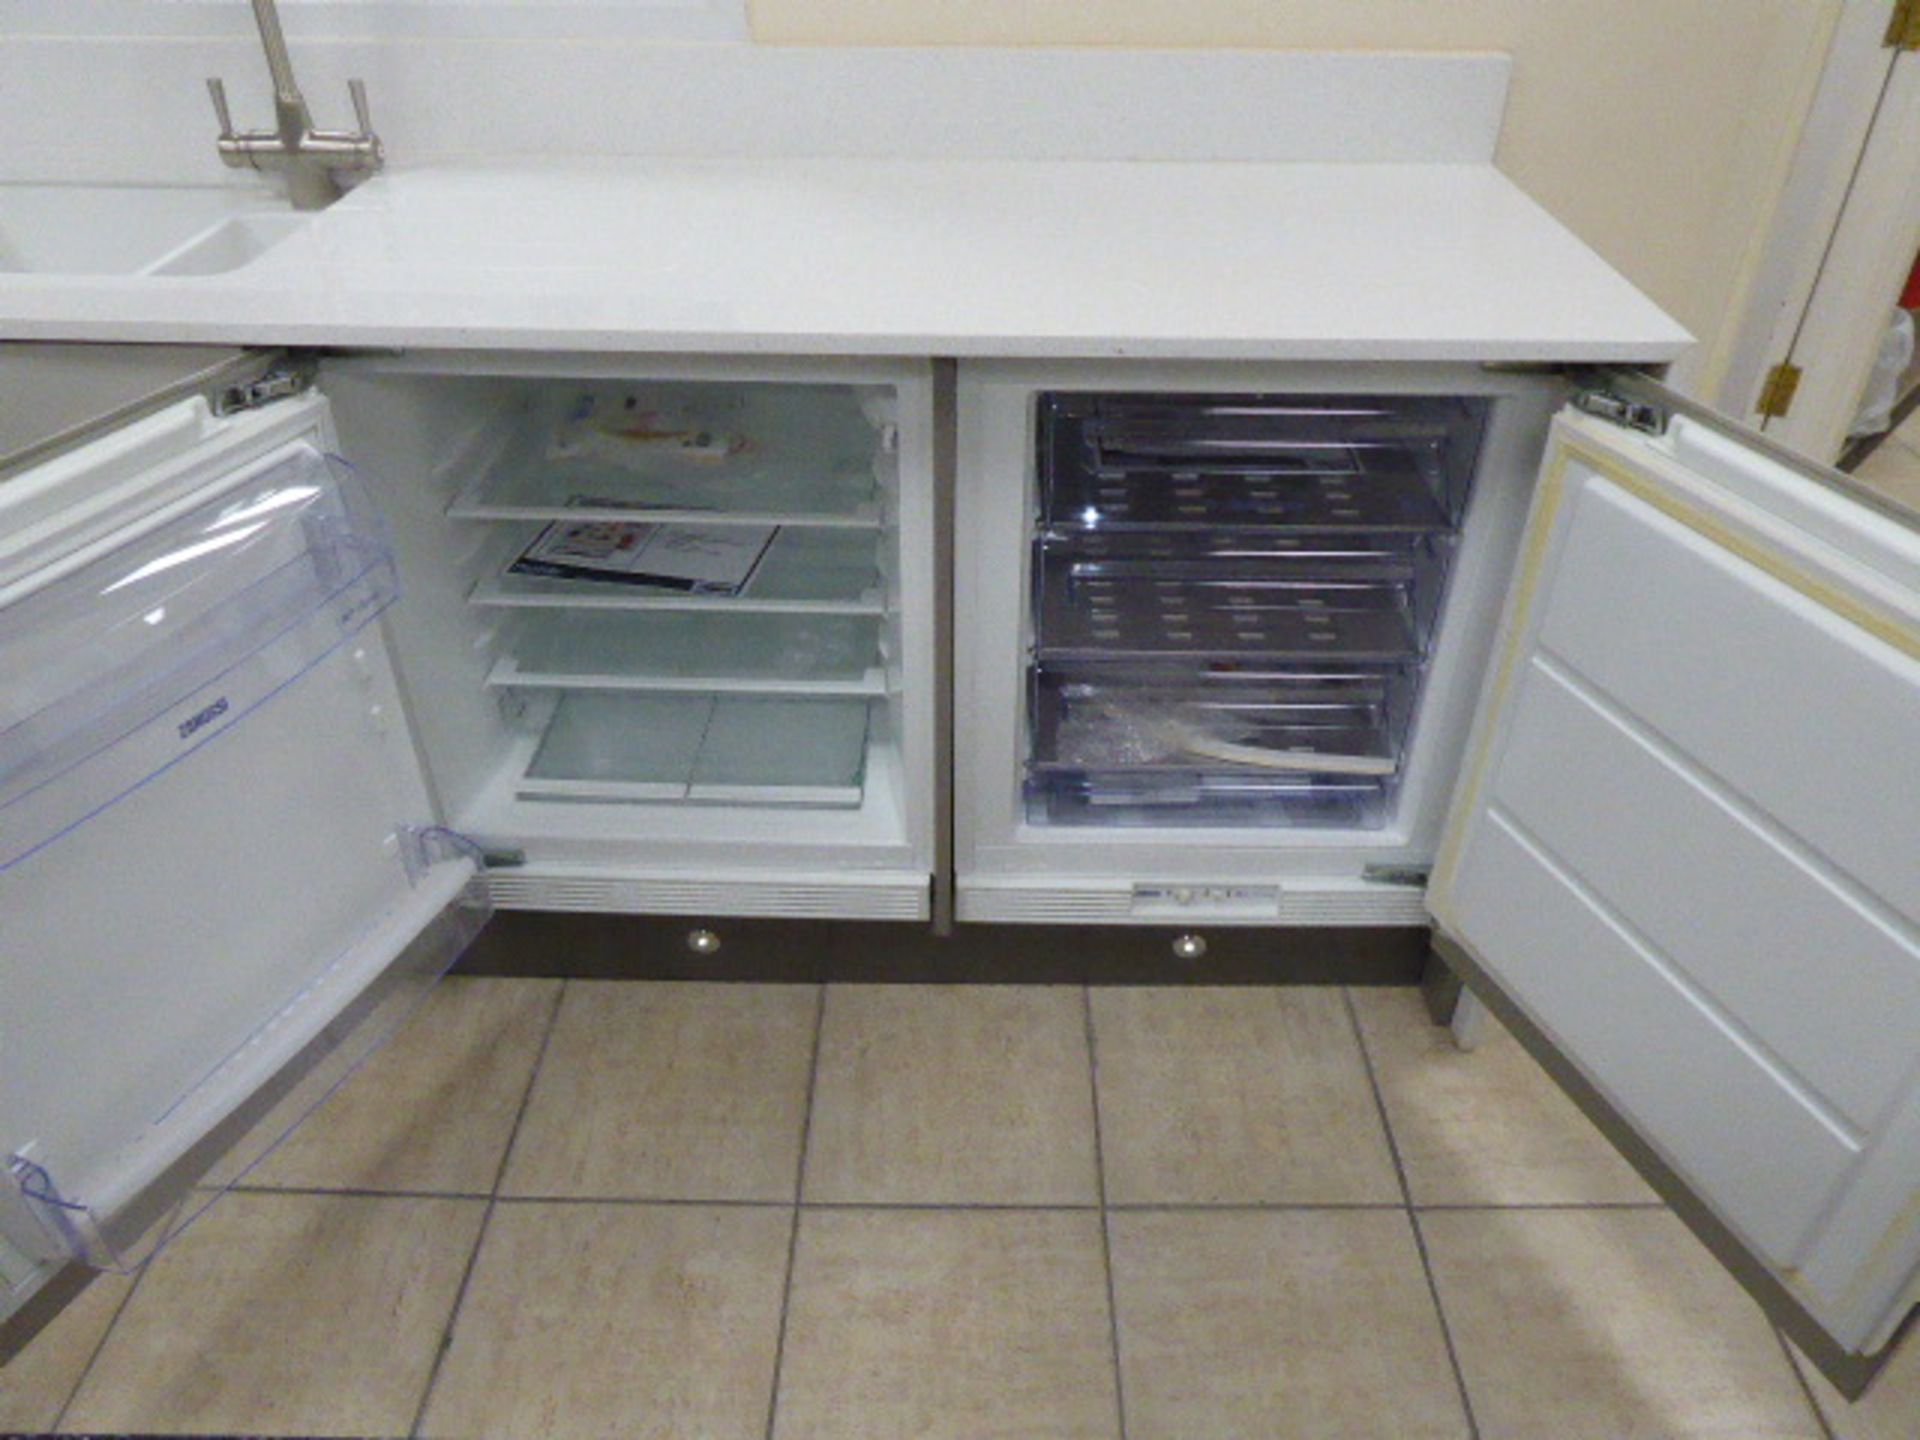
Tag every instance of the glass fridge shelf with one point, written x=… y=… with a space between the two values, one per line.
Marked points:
x=805 y=570
x=704 y=652
x=716 y=749
x=713 y=453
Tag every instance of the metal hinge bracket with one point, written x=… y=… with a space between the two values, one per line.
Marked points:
x=1903 y=30
x=1776 y=394
x=279 y=383
x=1633 y=414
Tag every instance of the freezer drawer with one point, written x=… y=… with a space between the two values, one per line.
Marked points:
x=1370 y=463
x=1132 y=745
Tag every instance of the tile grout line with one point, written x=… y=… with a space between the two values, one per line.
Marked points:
x=1117 y=1207
x=793 y=1230
x=1106 y=1233
x=1475 y=1206
x=1413 y=1217
x=1806 y=1385
x=486 y=1219
x=354 y=1192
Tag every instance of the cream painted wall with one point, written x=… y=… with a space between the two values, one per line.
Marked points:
x=1658 y=130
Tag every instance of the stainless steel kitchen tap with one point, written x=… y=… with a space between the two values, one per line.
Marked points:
x=312 y=160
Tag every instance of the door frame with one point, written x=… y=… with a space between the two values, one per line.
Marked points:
x=1843 y=238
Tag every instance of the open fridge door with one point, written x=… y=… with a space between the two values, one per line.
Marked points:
x=221 y=879
x=1682 y=859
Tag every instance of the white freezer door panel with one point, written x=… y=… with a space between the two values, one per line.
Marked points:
x=1791 y=704
x=1677 y=740
x=1686 y=845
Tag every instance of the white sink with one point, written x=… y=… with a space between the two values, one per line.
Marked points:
x=137 y=229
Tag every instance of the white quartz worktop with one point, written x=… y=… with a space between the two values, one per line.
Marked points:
x=1350 y=261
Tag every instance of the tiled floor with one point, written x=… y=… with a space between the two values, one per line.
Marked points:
x=722 y=1212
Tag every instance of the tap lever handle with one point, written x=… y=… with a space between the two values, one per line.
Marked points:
x=217 y=89
x=358 y=90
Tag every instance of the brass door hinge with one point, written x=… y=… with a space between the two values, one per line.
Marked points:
x=1903 y=31
x=1776 y=395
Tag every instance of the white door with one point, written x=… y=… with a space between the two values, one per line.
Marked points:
x=220 y=877
x=1685 y=853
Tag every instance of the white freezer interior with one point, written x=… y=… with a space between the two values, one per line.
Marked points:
x=618 y=729
x=1255 y=607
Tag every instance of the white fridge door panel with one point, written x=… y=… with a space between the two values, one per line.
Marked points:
x=1684 y=849
x=220 y=880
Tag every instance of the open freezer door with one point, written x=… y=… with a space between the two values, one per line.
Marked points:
x=1684 y=858
x=220 y=878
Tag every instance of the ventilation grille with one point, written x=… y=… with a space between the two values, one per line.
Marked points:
x=874 y=900
x=1373 y=905
x=1040 y=907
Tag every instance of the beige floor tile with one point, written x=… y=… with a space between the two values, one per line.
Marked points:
x=1483 y=1127
x=669 y=1091
x=1280 y=1324
x=1890 y=1410
x=958 y=1094
x=643 y=1322
x=1607 y=1325
x=948 y=1325
x=434 y=1109
x=1237 y=1096
x=286 y=1315
x=37 y=1382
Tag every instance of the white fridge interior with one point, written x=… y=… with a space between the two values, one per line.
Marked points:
x=1253 y=612
x=668 y=626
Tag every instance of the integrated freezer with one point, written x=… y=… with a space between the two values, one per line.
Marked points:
x=1224 y=625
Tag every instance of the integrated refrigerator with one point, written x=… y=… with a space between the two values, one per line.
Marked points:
x=301 y=675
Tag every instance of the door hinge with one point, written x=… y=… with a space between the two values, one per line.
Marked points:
x=1633 y=414
x=1776 y=394
x=1903 y=30
x=278 y=383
